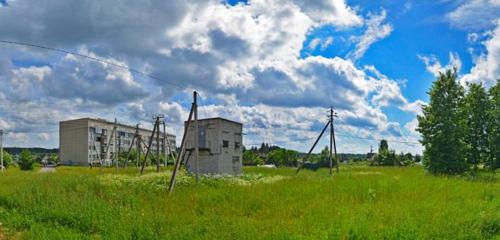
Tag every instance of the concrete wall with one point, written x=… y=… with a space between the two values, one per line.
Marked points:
x=81 y=146
x=73 y=145
x=215 y=158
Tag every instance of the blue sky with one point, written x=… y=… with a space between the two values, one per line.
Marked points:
x=276 y=66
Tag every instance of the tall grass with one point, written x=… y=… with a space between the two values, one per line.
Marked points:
x=358 y=203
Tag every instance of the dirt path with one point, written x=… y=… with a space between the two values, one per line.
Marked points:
x=47 y=170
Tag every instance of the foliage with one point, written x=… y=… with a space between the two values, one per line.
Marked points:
x=7 y=159
x=441 y=126
x=475 y=110
x=54 y=158
x=385 y=156
x=251 y=158
x=283 y=157
x=262 y=204
x=493 y=160
x=26 y=160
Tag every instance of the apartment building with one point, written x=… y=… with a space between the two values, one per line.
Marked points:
x=88 y=141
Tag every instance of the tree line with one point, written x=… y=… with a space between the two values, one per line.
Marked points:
x=281 y=157
x=388 y=157
x=460 y=126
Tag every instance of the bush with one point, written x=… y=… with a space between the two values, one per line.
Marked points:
x=7 y=159
x=26 y=160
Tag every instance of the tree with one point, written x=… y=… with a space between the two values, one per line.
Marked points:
x=385 y=157
x=475 y=109
x=250 y=158
x=383 y=145
x=7 y=159
x=418 y=158
x=493 y=161
x=26 y=160
x=283 y=157
x=441 y=126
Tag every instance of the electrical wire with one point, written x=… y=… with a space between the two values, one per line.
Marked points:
x=92 y=59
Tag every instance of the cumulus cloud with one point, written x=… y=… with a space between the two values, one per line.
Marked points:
x=433 y=65
x=475 y=15
x=487 y=66
x=245 y=57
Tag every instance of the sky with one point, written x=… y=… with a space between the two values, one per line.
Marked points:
x=276 y=66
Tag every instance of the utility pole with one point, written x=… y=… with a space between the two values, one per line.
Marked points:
x=116 y=147
x=139 y=142
x=331 y=139
x=1 y=148
x=165 y=143
x=312 y=148
x=196 y=151
x=181 y=152
x=158 y=143
x=332 y=115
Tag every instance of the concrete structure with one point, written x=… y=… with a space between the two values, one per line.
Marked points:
x=220 y=146
x=84 y=141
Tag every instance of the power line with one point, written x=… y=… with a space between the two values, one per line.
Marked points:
x=91 y=58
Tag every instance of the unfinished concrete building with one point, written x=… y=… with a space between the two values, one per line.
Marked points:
x=220 y=146
x=85 y=141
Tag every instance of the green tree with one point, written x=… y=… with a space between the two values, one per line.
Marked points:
x=283 y=157
x=7 y=159
x=383 y=145
x=493 y=161
x=385 y=157
x=441 y=126
x=475 y=109
x=250 y=158
x=26 y=160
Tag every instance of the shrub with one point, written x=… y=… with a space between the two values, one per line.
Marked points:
x=26 y=160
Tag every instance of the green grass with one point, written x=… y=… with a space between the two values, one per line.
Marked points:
x=359 y=203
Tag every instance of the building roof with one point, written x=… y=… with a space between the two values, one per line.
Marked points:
x=108 y=122
x=218 y=118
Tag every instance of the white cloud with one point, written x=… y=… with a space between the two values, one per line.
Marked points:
x=487 y=66
x=475 y=15
x=246 y=57
x=375 y=31
x=433 y=65
x=323 y=43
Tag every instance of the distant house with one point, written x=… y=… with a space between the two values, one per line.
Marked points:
x=220 y=146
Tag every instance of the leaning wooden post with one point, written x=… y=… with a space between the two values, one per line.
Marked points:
x=178 y=160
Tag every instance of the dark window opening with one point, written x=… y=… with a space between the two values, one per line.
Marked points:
x=237 y=145
x=225 y=144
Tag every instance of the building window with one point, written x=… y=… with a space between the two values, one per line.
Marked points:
x=225 y=144
x=237 y=145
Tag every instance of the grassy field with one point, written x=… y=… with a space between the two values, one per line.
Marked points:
x=358 y=203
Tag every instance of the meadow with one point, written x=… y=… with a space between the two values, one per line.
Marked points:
x=360 y=202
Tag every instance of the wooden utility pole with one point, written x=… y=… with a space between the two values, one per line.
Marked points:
x=331 y=139
x=157 y=143
x=312 y=148
x=1 y=148
x=196 y=151
x=333 y=136
x=149 y=147
x=116 y=146
x=181 y=153
x=332 y=142
x=134 y=139
x=139 y=148
x=165 y=144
